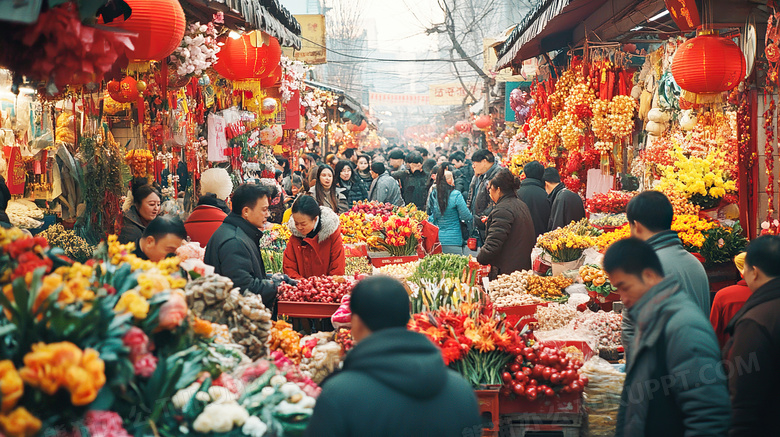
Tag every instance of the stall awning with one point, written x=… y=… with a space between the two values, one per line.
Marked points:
x=546 y=28
x=358 y=115
x=266 y=15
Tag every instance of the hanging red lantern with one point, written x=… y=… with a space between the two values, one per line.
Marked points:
x=706 y=66
x=160 y=27
x=273 y=78
x=483 y=122
x=129 y=89
x=357 y=128
x=463 y=127
x=247 y=57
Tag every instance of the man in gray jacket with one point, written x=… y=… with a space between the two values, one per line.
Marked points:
x=650 y=216
x=385 y=188
x=674 y=385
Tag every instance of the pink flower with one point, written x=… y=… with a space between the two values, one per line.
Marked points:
x=137 y=341
x=145 y=365
x=104 y=424
x=173 y=312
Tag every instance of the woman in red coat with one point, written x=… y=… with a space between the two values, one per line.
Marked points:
x=315 y=247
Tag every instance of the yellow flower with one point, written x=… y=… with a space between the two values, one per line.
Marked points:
x=132 y=302
x=11 y=385
x=20 y=423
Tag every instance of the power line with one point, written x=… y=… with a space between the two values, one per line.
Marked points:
x=390 y=60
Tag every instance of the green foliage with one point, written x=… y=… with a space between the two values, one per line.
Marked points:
x=722 y=244
x=442 y=266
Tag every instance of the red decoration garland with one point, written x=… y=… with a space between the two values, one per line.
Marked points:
x=769 y=117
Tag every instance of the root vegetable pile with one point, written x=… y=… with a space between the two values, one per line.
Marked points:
x=554 y=316
x=548 y=288
x=326 y=289
x=321 y=355
x=541 y=372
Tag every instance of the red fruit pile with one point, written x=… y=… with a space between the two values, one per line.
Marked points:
x=326 y=289
x=373 y=207
x=542 y=371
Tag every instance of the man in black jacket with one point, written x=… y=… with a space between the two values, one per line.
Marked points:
x=753 y=352
x=394 y=382
x=565 y=206
x=413 y=181
x=463 y=174
x=234 y=249
x=478 y=200
x=532 y=193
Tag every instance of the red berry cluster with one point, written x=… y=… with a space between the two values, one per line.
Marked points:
x=326 y=289
x=542 y=371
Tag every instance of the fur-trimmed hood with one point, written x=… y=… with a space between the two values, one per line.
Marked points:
x=330 y=223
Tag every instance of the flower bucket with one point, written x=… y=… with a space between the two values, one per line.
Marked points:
x=559 y=268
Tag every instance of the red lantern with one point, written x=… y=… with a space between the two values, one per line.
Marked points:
x=357 y=128
x=247 y=58
x=706 y=66
x=129 y=89
x=483 y=122
x=160 y=27
x=463 y=127
x=273 y=78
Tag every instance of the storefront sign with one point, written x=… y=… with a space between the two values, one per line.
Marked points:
x=451 y=94
x=392 y=99
x=312 y=49
x=684 y=13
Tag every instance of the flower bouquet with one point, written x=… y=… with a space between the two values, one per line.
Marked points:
x=566 y=244
x=690 y=229
x=722 y=244
x=398 y=236
x=611 y=202
x=355 y=227
x=703 y=180
x=473 y=340
x=606 y=239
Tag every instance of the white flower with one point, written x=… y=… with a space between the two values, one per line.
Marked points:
x=203 y=28
x=254 y=427
x=220 y=417
x=765 y=225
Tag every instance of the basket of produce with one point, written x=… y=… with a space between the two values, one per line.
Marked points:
x=316 y=297
x=599 y=288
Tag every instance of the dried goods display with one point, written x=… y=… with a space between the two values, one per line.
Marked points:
x=548 y=287
x=602 y=396
x=284 y=339
x=554 y=316
x=399 y=271
x=321 y=355
x=357 y=265
x=141 y=162
x=606 y=326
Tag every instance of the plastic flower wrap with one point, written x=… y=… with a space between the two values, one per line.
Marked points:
x=197 y=50
x=191 y=250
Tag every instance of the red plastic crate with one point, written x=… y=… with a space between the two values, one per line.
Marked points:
x=489 y=409
x=390 y=260
x=311 y=310
x=524 y=313
x=562 y=403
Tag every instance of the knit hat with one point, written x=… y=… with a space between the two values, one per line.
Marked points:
x=739 y=261
x=534 y=170
x=551 y=175
x=217 y=181
x=381 y=302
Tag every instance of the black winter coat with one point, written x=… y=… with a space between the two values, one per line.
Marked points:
x=414 y=187
x=132 y=226
x=754 y=351
x=463 y=177
x=234 y=251
x=509 y=237
x=479 y=199
x=394 y=383
x=356 y=191
x=565 y=207
x=5 y=197
x=532 y=193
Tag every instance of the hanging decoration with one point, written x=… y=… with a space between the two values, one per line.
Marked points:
x=271 y=135
x=197 y=50
x=483 y=122
x=769 y=129
x=269 y=106
x=160 y=26
x=293 y=73
x=248 y=58
x=463 y=127
x=706 y=66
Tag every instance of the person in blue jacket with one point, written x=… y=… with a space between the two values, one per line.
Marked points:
x=447 y=209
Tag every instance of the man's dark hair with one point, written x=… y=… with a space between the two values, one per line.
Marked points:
x=211 y=199
x=764 y=254
x=378 y=168
x=164 y=225
x=348 y=153
x=285 y=163
x=483 y=155
x=631 y=256
x=534 y=170
x=651 y=208
x=422 y=151
x=396 y=154
x=247 y=195
x=551 y=175
x=381 y=302
x=428 y=165
x=414 y=158
x=458 y=156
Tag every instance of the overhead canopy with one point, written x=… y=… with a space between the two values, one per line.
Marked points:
x=266 y=15
x=546 y=28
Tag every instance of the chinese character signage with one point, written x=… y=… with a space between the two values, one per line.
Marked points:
x=312 y=49
x=451 y=94
x=392 y=99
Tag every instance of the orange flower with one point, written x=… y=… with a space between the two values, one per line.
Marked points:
x=11 y=385
x=20 y=423
x=202 y=328
x=63 y=365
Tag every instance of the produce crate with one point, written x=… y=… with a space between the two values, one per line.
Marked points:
x=309 y=310
x=488 y=410
x=586 y=350
x=389 y=260
x=563 y=403
x=524 y=313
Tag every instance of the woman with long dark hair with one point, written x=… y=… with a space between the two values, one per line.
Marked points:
x=447 y=209
x=364 y=169
x=509 y=232
x=145 y=207
x=325 y=191
x=353 y=186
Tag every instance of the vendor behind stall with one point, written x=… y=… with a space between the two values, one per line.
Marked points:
x=145 y=207
x=315 y=247
x=161 y=238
